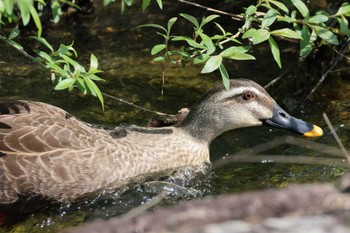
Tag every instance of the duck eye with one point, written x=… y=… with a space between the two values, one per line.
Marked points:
x=248 y=95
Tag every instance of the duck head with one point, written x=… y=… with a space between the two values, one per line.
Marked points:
x=245 y=104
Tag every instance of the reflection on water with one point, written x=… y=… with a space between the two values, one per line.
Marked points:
x=123 y=52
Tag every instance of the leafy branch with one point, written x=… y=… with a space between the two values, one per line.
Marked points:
x=260 y=22
x=66 y=72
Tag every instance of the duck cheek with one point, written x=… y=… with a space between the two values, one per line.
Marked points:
x=244 y=120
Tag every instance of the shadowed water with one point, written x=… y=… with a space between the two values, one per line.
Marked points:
x=123 y=53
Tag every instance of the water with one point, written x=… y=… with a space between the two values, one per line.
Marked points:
x=123 y=52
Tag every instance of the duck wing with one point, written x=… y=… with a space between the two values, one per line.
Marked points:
x=31 y=132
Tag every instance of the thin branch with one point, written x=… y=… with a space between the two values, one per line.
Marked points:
x=142 y=208
x=272 y=82
x=330 y=67
x=234 y=16
x=137 y=106
x=284 y=159
x=30 y=57
x=335 y=135
x=321 y=148
x=25 y=54
x=341 y=69
x=341 y=54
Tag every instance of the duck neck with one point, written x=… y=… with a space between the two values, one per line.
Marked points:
x=202 y=124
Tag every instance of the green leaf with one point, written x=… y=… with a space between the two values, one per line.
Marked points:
x=57 y=69
x=250 y=10
x=235 y=49
x=275 y=51
x=53 y=77
x=257 y=36
x=145 y=4
x=286 y=19
x=16 y=45
x=190 y=18
x=225 y=77
x=171 y=23
x=221 y=28
x=80 y=83
x=44 y=42
x=326 y=35
x=153 y=25
x=344 y=26
x=269 y=18
x=75 y=64
x=212 y=64
x=260 y=35
x=160 y=58
x=157 y=48
x=190 y=41
x=237 y=53
x=318 y=19
x=95 y=91
x=14 y=33
x=36 y=19
x=305 y=43
x=64 y=84
x=95 y=77
x=286 y=32
x=241 y=57
x=249 y=33
x=2 y=8
x=305 y=35
x=56 y=11
x=107 y=2
x=302 y=8
x=344 y=9
x=160 y=4
x=279 y=5
x=247 y=23
x=208 y=19
x=45 y=56
x=24 y=7
x=201 y=58
x=93 y=62
x=65 y=50
x=208 y=43
x=9 y=6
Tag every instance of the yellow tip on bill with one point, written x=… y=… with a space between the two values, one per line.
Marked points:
x=315 y=132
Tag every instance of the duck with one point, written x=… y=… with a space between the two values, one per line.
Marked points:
x=47 y=152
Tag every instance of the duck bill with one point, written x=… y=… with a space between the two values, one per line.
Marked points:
x=281 y=119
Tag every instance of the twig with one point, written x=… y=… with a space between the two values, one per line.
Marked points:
x=286 y=159
x=249 y=155
x=142 y=208
x=335 y=135
x=27 y=55
x=324 y=149
x=341 y=69
x=137 y=106
x=341 y=54
x=234 y=16
x=272 y=82
x=330 y=67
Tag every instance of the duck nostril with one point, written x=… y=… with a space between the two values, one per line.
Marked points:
x=282 y=114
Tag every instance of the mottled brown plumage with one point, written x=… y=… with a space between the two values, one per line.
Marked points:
x=47 y=152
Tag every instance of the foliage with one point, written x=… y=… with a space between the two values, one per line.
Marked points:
x=266 y=21
x=66 y=72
